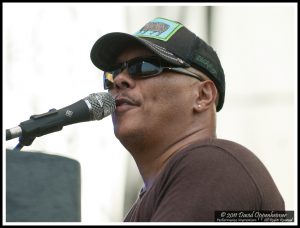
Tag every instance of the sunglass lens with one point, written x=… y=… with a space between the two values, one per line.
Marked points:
x=138 y=68
x=144 y=68
x=108 y=80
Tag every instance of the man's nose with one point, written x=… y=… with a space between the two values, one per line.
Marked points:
x=124 y=81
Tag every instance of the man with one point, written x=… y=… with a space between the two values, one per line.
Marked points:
x=168 y=85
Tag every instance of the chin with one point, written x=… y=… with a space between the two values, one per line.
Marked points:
x=129 y=128
x=124 y=128
x=129 y=138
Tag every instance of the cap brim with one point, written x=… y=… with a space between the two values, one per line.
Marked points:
x=107 y=48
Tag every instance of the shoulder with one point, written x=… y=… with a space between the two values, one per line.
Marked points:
x=201 y=179
x=226 y=158
x=213 y=166
x=227 y=161
x=212 y=153
x=224 y=172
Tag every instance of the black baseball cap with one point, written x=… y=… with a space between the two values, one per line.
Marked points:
x=171 y=41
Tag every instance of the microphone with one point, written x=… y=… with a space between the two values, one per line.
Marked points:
x=94 y=107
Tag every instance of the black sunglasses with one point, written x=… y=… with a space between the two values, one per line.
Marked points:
x=143 y=67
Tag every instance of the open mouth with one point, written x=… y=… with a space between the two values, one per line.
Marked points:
x=124 y=104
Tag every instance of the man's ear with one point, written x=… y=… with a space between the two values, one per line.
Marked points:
x=206 y=96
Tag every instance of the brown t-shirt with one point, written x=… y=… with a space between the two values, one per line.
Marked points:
x=210 y=175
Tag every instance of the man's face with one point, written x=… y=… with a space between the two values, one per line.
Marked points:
x=152 y=109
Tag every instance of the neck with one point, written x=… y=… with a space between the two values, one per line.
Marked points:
x=152 y=157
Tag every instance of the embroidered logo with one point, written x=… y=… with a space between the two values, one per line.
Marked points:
x=69 y=113
x=206 y=64
x=159 y=28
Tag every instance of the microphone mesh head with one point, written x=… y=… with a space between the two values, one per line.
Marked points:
x=102 y=105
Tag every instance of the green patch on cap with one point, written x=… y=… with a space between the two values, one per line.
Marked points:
x=160 y=29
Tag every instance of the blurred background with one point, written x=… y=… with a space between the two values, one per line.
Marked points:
x=46 y=64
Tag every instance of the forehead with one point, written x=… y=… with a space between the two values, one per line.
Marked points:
x=132 y=52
